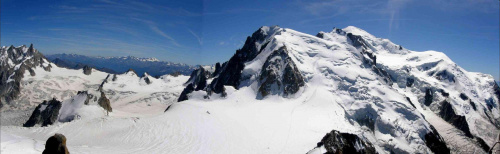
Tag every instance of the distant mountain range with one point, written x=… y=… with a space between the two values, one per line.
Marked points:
x=115 y=65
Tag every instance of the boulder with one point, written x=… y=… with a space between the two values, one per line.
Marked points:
x=56 y=145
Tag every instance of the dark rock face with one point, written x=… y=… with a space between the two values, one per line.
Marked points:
x=435 y=142
x=104 y=102
x=444 y=75
x=444 y=93
x=217 y=69
x=189 y=89
x=428 y=97
x=409 y=82
x=463 y=96
x=197 y=81
x=496 y=89
x=473 y=105
x=87 y=70
x=103 y=82
x=56 y=145
x=411 y=103
x=10 y=76
x=320 y=35
x=146 y=79
x=448 y=114
x=483 y=144
x=198 y=78
x=114 y=77
x=336 y=142
x=231 y=72
x=45 y=113
x=358 y=42
x=279 y=75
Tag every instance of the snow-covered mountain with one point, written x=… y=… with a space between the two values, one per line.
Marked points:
x=283 y=92
x=151 y=65
x=387 y=95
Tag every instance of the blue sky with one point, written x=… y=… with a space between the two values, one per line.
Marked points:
x=209 y=31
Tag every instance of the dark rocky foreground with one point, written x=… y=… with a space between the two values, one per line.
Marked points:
x=336 y=142
x=56 y=145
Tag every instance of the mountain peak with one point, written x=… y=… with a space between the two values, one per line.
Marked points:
x=357 y=31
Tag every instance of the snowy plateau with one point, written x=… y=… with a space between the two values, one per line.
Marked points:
x=344 y=91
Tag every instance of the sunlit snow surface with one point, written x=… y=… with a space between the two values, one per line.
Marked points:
x=337 y=87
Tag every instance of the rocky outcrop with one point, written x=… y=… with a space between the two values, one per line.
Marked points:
x=409 y=82
x=198 y=78
x=197 y=81
x=463 y=96
x=435 y=142
x=429 y=95
x=56 y=145
x=104 y=82
x=44 y=114
x=217 y=69
x=114 y=77
x=369 y=58
x=337 y=142
x=87 y=70
x=146 y=79
x=448 y=114
x=104 y=102
x=230 y=74
x=14 y=63
x=279 y=75
x=184 y=94
x=496 y=90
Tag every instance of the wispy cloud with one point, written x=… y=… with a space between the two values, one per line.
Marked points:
x=394 y=6
x=200 y=39
x=323 y=10
x=154 y=27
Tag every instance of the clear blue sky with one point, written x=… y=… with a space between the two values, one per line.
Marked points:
x=205 y=32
